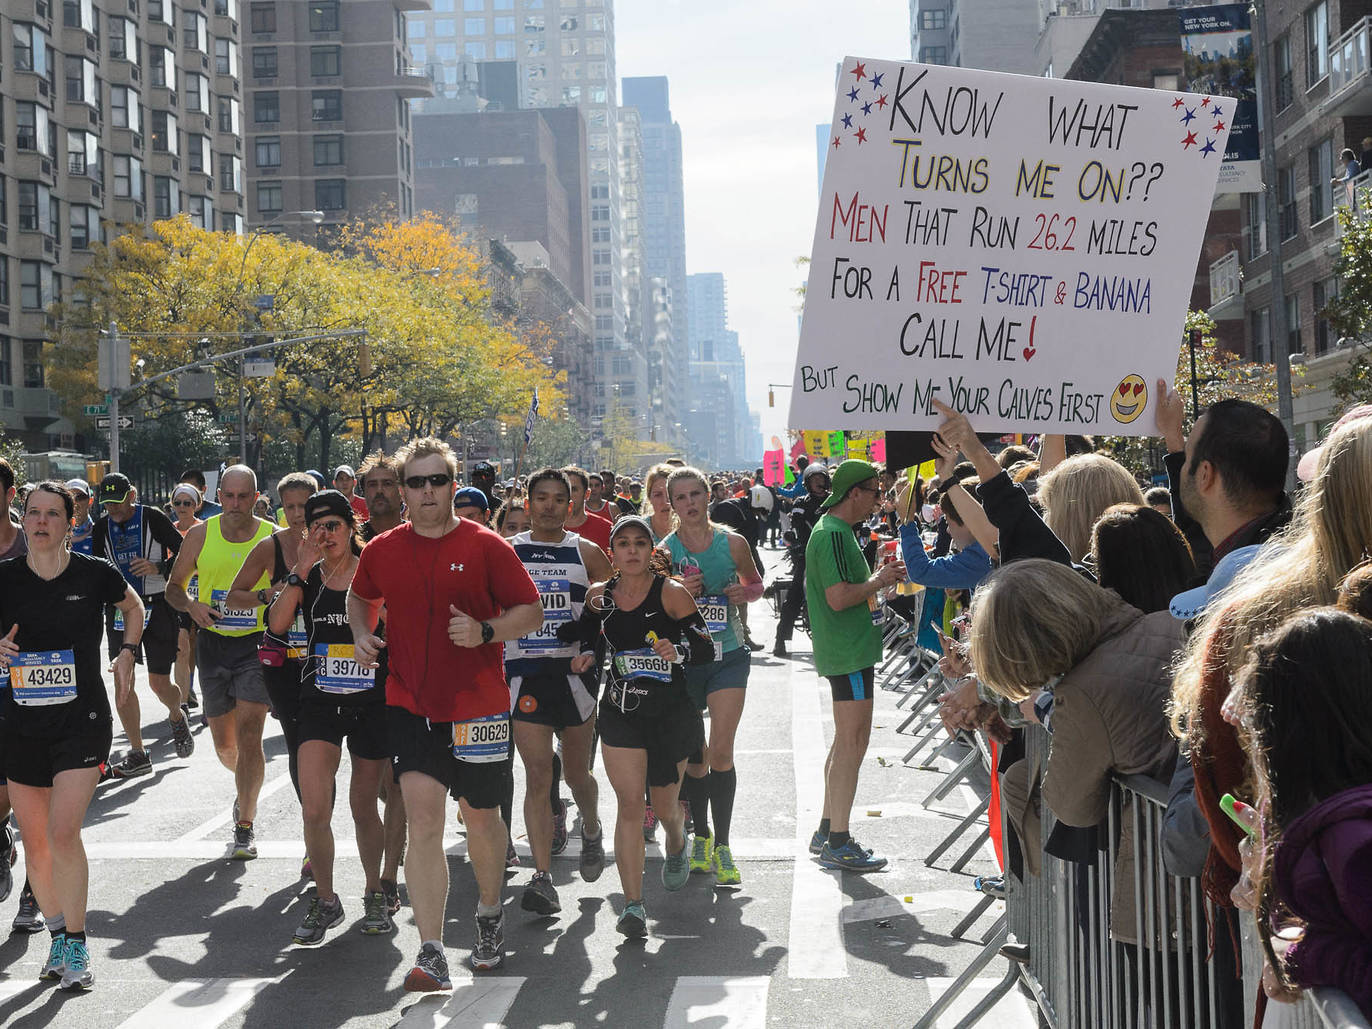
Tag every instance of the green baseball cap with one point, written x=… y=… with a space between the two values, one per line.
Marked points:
x=845 y=477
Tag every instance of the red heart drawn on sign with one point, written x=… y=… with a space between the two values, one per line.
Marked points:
x=1138 y=388
x=1124 y=389
x=1029 y=353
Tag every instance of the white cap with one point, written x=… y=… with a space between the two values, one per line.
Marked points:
x=80 y=486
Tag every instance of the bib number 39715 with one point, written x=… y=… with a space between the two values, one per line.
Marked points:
x=42 y=678
x=482 y=740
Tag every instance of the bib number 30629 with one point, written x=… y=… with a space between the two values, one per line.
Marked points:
x=482 y=740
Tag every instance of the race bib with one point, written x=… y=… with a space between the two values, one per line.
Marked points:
x=482 y=741
x=642 y=664
x=874 y=610
x=556 y=597
x=336 y=670
x=714 y=608
x=297 y=639
x=119 y=618
x=232 y=619
x=40 y=679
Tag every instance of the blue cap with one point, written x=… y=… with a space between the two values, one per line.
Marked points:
x=318 y=477
x=470 y=496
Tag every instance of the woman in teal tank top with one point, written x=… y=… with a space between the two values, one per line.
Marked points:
x=716 y=565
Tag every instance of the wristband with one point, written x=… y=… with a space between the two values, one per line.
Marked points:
x=130 y=647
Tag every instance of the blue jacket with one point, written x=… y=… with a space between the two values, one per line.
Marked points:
x=963 y=570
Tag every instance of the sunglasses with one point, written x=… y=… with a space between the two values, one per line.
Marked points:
x=183 y=503
x=332 y=525
x=419 y=481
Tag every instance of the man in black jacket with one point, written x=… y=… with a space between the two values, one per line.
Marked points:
x=804 y=513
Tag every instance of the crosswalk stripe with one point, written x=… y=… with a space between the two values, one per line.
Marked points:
x=738 y=1002
x=475 y=1003
x=198 y=1003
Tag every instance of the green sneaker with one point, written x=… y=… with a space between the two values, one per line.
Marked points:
x=633 y=921
x=702 y=853
x=676 y=869
x=726 y=872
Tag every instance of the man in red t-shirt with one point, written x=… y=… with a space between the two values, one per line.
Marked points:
x=581 y=521
x=345 y=481
x=454 y=592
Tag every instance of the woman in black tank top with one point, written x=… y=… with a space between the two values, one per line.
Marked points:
x=648 y=725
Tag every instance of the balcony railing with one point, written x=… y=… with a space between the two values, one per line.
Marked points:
x=1348 y=64
x=1225 y=280
x=1352 y=195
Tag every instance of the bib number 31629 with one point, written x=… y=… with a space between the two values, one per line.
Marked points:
x=482 y=740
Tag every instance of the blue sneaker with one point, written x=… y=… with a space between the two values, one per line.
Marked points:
x=56 y=965
x=77 y=975
x=851 y=857
x=633 y=920
x=817 y=842
x=677 y=868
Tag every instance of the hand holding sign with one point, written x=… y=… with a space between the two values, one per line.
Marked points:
x=463 y=629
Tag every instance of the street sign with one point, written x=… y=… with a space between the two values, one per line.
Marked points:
x=227 y=417
x=103 y=422
x=91 y=409
x=197 y=385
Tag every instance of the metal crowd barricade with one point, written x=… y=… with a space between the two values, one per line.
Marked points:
x=1082 y=976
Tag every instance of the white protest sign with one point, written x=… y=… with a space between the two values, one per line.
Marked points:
x=1021 y=249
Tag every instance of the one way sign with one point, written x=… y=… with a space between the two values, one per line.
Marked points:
x=103 y=422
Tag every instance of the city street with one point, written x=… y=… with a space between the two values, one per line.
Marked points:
x=182 y=937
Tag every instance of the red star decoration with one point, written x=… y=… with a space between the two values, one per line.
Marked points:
x=1219 y=127
x=861 y=135
x=835 y=141
x=881 y=101
x=1205 y=102
x=859 y=73
x=1190 y=140
x=1177 y=103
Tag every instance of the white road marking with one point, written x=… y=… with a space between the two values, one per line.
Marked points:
x=1013 y=1011
x=199 y=1003
x=740 y=1003
x=474 y=1004
x=815 y=939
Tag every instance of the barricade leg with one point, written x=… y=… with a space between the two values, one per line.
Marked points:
x=971 y=917
x=954 y=777
x=987 y=954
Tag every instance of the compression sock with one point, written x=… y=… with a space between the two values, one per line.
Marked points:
x=837 y=839
x=698 y=796
x=823 y=827
x=488 y=911
x=722 y=786
x=56 y=925
x=77 y=936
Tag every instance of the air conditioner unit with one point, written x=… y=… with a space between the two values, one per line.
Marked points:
x=4 y=234
x=95 y=118
x=138 y=141
x=42 y=87
x=7 y=396
x=44 y=166
x=176 y=164
x=95 y=191
x=41 y=9
x=133 y=72
x=204 y=61
x=139 y=212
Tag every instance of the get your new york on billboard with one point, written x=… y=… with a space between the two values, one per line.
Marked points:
x=1021 y=249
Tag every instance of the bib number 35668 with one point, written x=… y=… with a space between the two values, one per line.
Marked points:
x=482 y=740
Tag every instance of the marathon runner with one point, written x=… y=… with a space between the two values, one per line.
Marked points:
x=588 y=526
x=208 y=508
x=288 y=552
x=596 y=503
x=483 y=478
x=553 y=687
x=233 y=687
x=12 y=543
x=469 y=502
x=648 y=724
x=339 y=699
x=345 y=482
x=142 y=542
x=82 y=496
x=185 y=501
x=453 y=590
x=805 y=512
x=512 y=519
x=657 y=509
x=716 y=566
x=57 y=726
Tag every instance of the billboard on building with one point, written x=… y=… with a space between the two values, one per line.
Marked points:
x=1218 y=45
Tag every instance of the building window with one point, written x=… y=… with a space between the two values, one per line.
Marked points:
x=264 y=62
x=933 y=55
x=35 y=285
x=268 y=197
x=123 y=43
x=328 y=151
x=128 y=177
x=1325 y=291
x=6 y=368
x=266 y=106
x=330 y=194
x=28 y=206
x=197 y=96
x=161 y=10
x=200 y=212
x=263 y=17
x=1316 y=43
x=1289 y=220
x=325 y=60
x=165 y=135
x=230 y=173
x=1284 y=69
x=30 y=122
x=85 y=226
x=937 y=18
x=30 y=49
x=475 y=50
x=225 y=56
x=33 y=363
x=228 y=115
x=80 y=75
x=1321 y=160
x=504 y=50
x=1255 y=226
x=326 y=105
x=198 y=153
x=324 y=16
x=166 y=196
x=504 y=26
x=195 y=32
x=268 y=149
x=1293 y=325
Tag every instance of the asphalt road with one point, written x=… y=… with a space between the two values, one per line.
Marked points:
x=182 y=937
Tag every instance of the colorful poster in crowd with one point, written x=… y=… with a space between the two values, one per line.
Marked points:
x=1021 y=249
x=837 y=444
x=773 y=461
x=816 y=444
x=1217 y=44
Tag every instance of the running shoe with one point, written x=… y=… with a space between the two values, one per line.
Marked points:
x=244 y=842
x=181 y=735
x=690 y=823
x=991 y=885
x=392 y=891
x=702 y=853
x=377 y=916
x=676 y=869
x=649 y=823
x=77 y=974
x=28 y=919
x=851 y=857
x=633 y=922
x=318 y=920
x=490 y=942
x=726 y=872
x=511 y=856
x=56 y=965
x=592 y=855
x=540 y=896
x=134 y=764
x=8 y=856
x=560 y=826
x=817 y=842
x=430 y=971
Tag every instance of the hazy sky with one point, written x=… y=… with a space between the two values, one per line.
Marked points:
x=750 y=80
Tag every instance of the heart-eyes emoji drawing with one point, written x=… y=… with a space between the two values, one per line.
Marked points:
x=1129 y=399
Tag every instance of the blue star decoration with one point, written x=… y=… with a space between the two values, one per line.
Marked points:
x=1186 y=118
x=847 y=121
x=853 y=93
x=876 y=80
x=1218 y=114
x=1209 y=147
x=867 y=108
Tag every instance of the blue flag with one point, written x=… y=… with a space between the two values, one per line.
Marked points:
x=529 y=420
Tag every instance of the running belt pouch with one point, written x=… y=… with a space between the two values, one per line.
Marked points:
x=271 y=652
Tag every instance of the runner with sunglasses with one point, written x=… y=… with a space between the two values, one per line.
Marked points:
x=339 y=700
x=453 y=592
x=716 y=566
x=648 y=723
